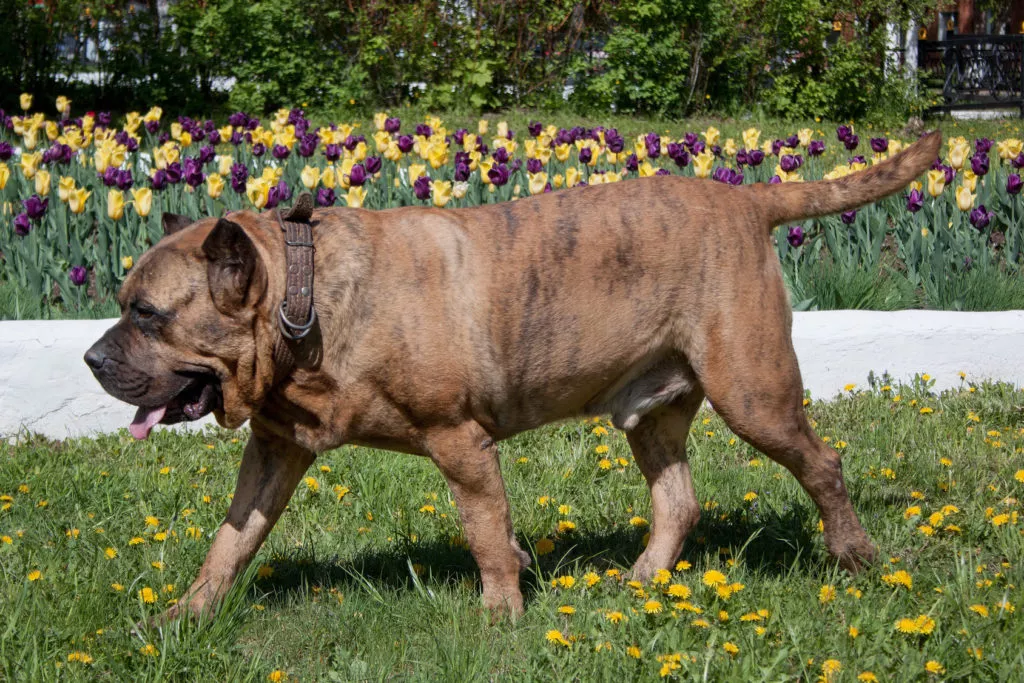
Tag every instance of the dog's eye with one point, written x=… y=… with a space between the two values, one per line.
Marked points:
x=144 y=312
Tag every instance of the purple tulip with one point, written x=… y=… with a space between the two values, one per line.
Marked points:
x=78 y=275
x=325 y=197
x=109 y=176
x=950 y=173
x=776 y=147
x=1018 y=161
x=174 y=173
x=238 y=119
x=421 y=188
x=1013 y=184
x=851 y=142
x=252 y=123
x=816 y=148
x=848 y=217
x=498 y=174
x=586 y=154
x=775 y=180
x=213 y=136
x=859 y=159
x=500 y=155
x=352 y=140
x=159 y=180
x=690 y=140
x=373 y=165
x=332 y=152
x=405 y=143
x=460 y=135
x=280 y=152
x=462 y=171
x=35 y=206
x=616 y=143
x=979 y=164
x=983 y=145
x=534 y=166
x=682 y=159
x=698 y=147
x=239 y=174
x=792 y=141
x=236 y=138
x=279 y=193
x=198 y=134
x=152 y=127
x=722 y=174
x=192 y=172
x=206 y=154
x=6 y=151
x=125 y=180
x=392 y=124
x=843 y=132
x=163 y=138
x=632 y=163
x=716 y=150
x=915 y=201
x=424 y=130
x=653 y=143
x=535 y=128
x=755 y=157
x=307 y=145
x=981 y=217
x=662 y=171
x=789 y=163
x=879 y=145
x=796 y=236
x=741 y=158
x=22 y=224
x=357 y=176
x=259 y=149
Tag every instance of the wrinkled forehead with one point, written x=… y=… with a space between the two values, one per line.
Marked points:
x=170 y=270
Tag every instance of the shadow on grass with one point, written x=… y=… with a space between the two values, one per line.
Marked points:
x=772 y=544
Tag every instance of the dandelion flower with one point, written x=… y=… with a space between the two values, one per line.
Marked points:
x=614 y=617
x=713 y=577
x=555 y=636
x=35 y=575
x=867 y=677
x=678 y=590
x=147 y=595
x=567 y=609
x=933 y=667
x=591 y=578
x=827 y=594
x=633 y=651
x=81 y=657
x=544 y=546
x=682 y=565
x=899 y=578
x=652 y=607
x=149 y=650
x=980 y=610
x=731 y=648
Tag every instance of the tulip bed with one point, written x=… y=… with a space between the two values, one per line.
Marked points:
x=366 y=576
x=81 y=197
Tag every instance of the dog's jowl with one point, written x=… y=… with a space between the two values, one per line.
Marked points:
x=441 y=332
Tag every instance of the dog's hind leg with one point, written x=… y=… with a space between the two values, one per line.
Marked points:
x=659 y=447
x=749 y=372
x=468 y=458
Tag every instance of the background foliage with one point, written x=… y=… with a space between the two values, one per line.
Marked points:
x=655 y=57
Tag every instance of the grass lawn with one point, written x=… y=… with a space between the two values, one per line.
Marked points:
x=366 y=576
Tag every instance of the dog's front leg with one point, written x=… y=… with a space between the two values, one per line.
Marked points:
x=271 y=469
x=468 y=458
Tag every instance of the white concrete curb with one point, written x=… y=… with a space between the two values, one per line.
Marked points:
x=46 y=388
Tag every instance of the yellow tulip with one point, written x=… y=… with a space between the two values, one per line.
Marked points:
x=572 y=177
x=30 y=164
x=77 y=199
x=65 y=186
x=310 y=176
x=329 y=177
x=957 y=156
x=214 y=185
x=382 y=139
x=185 y=139
x=964 y=198
x=132 y=121
x=345 y=172
x=441 y=192
x=101 y=159
x=970 y=180
x=537 y=182
x=702 y=164
x=63 y=105
x=392 y=153
x=31 y=138
x=127 y=262
x=224 y=163
x=562 y=152
x=557 y=181
x=805 y=135
x=52 y=131
x=272 y=175
x=153 y=114
x=42 y=182
x=415 y=171
x=646 y=170
x=711 y=136
x=285 y=137
x=1009 y=148
x=485 y=169
x=437 y=155
x=225 y=133
x=379 y=120
x=729 y=148
x=895 y=146
x=26 y=101
x=176 y=130
x=459 y=190
x=142 y=201
x=503 y=129
x=354 y=198
x=5 y=175
x=936 y=182
x=915 y=185
x=481 y=127
x=88 y=123
x=750 y=138
x=257 y=190
x=115 y=204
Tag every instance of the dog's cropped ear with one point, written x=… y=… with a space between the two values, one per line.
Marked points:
x=173 y=222
x=234 y=268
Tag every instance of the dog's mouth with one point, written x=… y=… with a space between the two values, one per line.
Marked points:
x=201 y=396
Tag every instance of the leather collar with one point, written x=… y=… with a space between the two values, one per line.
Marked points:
x=297 y=318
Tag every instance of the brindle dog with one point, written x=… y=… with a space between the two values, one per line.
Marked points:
x=442 y=332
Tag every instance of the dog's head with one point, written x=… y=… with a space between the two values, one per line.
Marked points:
x=194 y=328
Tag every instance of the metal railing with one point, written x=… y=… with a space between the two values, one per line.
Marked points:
x=975 y=72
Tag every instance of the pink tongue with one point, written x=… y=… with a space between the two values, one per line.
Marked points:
x=144 y=421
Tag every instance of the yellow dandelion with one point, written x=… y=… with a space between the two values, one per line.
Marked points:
x=826 y=594
x=867 y=677
x=634 y=652
x=591 y=578
x=149 y=650
x=899 y=578
x=661 y=577
x=555 y=636
x=35 y=575
x=980 y=610
x=601 y=450
x=713 y=577
x=933 y=667
x=682 y=566
x=81 y=657
x=652 y=607
x=678 y=590
x=147 y=595
x=731 y=648
x=152 y=521
x=638 y=521
x=544 y=546
x=567 y=609
x=614 y=617
x=111 y=553
x=277 y=676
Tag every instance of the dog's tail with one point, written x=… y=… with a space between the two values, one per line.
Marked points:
x=796 y=201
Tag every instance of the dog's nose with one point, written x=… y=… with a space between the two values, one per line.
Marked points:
x=94 y=358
